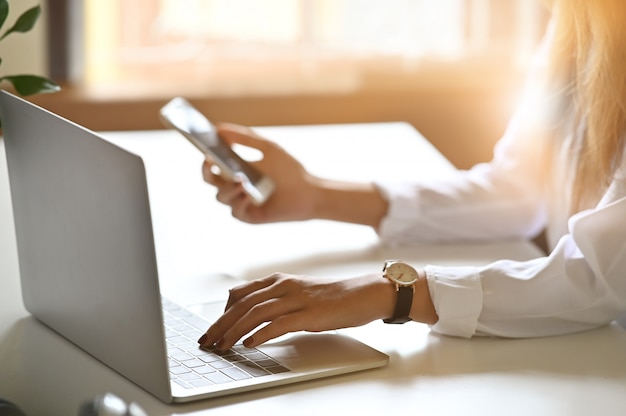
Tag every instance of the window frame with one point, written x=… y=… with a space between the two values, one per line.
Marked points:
x=65 y=36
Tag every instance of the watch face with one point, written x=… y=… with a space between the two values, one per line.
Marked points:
x=401 y=273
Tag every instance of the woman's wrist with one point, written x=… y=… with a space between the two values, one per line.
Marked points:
x=422 y=307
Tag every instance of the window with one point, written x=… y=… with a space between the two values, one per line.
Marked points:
x=231 y=47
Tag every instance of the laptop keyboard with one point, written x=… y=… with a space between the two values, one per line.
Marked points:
x=192 y=366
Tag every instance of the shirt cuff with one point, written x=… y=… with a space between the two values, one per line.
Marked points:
x=402 y=210
x=457 y=296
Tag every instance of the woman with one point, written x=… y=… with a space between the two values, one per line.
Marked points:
x=559 y=166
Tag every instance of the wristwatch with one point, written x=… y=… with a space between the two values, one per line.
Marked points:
x=404 y=277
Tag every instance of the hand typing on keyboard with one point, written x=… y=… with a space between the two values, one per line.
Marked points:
x=193 y=366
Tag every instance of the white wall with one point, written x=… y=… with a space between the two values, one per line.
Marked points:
x=24 y=53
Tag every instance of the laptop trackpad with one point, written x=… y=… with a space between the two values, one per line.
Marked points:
x=329 y=350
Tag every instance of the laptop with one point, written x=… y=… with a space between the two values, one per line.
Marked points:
x=89 y=271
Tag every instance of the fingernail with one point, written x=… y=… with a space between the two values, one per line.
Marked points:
x=202 y=339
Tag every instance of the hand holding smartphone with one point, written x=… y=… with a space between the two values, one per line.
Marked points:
x=182 y=116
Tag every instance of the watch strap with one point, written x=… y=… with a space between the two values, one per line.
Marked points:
x=403 y=306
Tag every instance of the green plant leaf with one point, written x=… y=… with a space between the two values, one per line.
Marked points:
x=31 y=84
x=25 y=22
x=4 y=11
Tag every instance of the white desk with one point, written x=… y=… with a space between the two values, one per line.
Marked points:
x=428 y=374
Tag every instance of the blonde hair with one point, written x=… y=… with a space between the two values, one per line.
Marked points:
x=587 y=70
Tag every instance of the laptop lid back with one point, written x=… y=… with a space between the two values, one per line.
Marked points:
x=85 y=241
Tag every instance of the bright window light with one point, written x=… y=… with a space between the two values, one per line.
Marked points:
x=230 y=47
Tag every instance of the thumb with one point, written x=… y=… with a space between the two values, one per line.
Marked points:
x=235 y=133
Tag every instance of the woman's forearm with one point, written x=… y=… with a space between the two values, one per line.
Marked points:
x=358 y=203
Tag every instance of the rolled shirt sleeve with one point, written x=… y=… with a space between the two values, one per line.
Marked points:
x=581 y=285
x=458 y=298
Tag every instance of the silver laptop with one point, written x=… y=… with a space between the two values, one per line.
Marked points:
x=89 y=271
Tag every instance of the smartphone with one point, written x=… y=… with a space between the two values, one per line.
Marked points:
x=192 y=124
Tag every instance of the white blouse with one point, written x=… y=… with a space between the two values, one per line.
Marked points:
x=579 y=286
